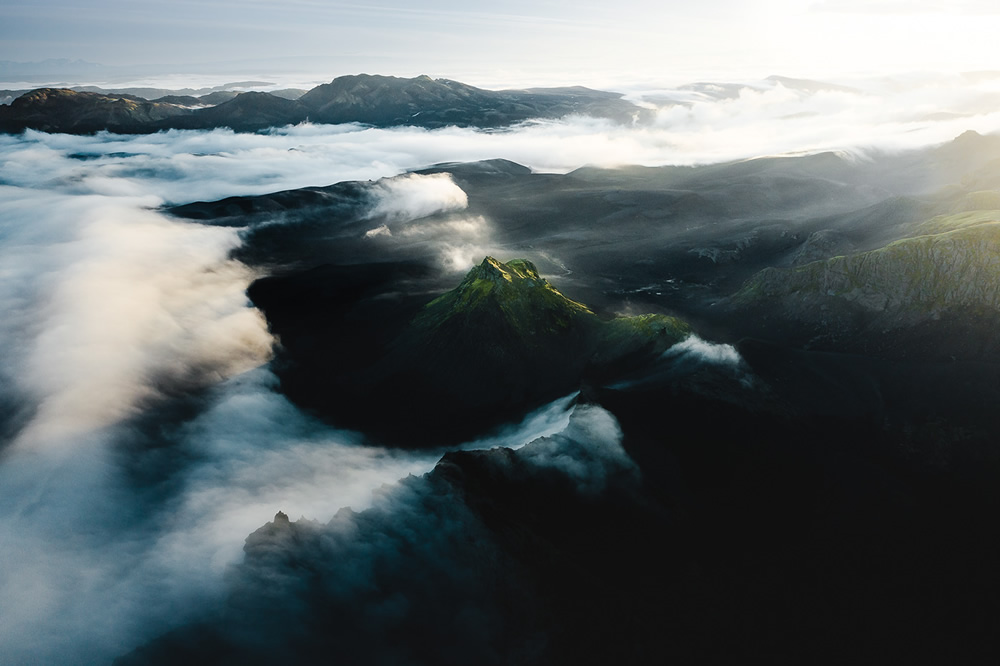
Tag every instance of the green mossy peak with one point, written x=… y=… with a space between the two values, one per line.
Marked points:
x=512 y=294
x=508 y=310
x=515 y=269
x=502 y=342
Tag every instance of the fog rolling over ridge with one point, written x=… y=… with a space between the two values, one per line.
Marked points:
x=684 y=124
x=184 y=326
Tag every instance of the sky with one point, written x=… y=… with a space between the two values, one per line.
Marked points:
x=506 y=41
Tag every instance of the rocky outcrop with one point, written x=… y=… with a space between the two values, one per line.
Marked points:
x=481 y=560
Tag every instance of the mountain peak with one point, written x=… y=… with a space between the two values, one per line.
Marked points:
x=503 y=296
x=513 y=286
x=514 y=271
x=500 y=343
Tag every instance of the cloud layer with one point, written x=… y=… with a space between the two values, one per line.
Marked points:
x=83 y=541
x=145 y=440
x=692 y=126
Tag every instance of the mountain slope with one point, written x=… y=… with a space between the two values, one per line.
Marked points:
x=501 y=343
x=382 y=101
x=69 y=111
x=426 y=102
x=921 y=286
x=247 y=112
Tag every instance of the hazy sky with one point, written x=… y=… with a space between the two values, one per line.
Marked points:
x=579 y=40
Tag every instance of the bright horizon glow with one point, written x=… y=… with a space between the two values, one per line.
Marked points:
x=546 y=42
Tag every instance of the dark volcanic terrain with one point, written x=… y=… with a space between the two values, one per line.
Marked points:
x=820 y=484
x=877 y=277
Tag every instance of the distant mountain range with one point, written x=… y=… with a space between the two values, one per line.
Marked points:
x=208 y=96
x=382 y=101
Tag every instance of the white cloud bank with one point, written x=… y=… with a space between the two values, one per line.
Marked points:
x=412 y=196
x=762 y=118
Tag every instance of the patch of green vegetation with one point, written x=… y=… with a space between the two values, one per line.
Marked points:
x=647 y=325
x=920 y=276
x=522 y=267
x=513 y=289
x=509 y=304
x=946 y=223
x=979 y=200
x=654 y=333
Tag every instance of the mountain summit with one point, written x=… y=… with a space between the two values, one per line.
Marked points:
x=425 y=102
x=507 y=302
x=501 y=343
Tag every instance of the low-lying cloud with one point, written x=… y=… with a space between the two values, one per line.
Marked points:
x=82 y=541
x=108 y=302
x=688 y=358
x=702 y=351
x=589 y=451
x=426 y=210
x=419 y=561
x=759 y=118
x=413 y=196
x=120 y=508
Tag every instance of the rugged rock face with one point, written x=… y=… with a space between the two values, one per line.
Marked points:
x=511 y=303
x=914 y=277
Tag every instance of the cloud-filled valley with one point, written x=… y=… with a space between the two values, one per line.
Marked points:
x=708 y=123
x=152 y=417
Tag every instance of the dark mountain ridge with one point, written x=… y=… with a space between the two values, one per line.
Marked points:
x=72 y=112
x=676 y=525
x=788 y=499
x=502 y=342
x=876 y=275
x=246 y=112
x=381 y=101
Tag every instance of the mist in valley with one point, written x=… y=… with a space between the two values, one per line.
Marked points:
x=152 y=339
